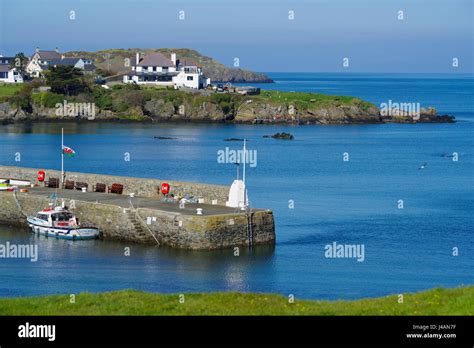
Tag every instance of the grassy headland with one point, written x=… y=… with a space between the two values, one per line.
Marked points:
x=457 y=301
x=41 y=99
x=138 y=103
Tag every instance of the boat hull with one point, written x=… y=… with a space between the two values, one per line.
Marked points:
x=80 y=233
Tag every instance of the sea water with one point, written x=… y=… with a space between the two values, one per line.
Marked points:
x=360 y=185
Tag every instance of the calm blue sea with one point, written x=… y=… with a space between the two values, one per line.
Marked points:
x=353 y=202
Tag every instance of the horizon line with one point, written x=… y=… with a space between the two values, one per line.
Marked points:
x=365 y=72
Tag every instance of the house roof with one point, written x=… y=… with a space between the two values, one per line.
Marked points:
x=185 y=61
x=65 y=61
x=6 y=60
x=4 y=67
x=155 y=59
x=89 y=67
x=49 y=55
x=155 y=73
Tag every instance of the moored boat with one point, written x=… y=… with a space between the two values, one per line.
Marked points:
x=60 y=223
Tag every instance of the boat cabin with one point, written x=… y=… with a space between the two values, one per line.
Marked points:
x=57 y=217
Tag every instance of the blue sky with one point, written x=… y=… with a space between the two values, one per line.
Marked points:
x=258 y=32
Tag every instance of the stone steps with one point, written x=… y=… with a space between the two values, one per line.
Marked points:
x=137 y=225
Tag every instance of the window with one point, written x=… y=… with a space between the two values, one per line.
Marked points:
x=42 y=217
x=190 y=78
x=62 y=217
x=3 y=75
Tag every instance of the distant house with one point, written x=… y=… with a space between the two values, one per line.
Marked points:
x=8 y=74
x=40 y=60
x=6 y=60
x=43 y=60
x=190 y=74
x=83 y=64
x=157 y=69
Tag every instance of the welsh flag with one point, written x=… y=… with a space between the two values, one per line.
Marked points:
x=68 y=151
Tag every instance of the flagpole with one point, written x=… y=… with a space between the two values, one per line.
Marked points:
x=243 y=173
x=245 y=160
x=62 y=156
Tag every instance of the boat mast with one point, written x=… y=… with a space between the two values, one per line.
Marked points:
x=62 y=156
x=245 y=160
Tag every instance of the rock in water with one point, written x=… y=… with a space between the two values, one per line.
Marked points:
x=234 y=139
x=282 y=135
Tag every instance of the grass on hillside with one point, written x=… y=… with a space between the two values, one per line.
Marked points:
x=458 y=301
x=310 y=99
x=7 y=90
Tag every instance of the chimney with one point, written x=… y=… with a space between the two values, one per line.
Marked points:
x=37 y=49
x=137 y=58
x=173 y=58
x=57 y=50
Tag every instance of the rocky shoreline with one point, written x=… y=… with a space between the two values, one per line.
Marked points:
x=324 y=117
x=270 y=107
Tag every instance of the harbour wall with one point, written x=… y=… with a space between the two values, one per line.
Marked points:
x=193 y=232
x=140 y=187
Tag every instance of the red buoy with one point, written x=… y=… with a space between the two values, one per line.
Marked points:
x=41 y=175
x=165 y=188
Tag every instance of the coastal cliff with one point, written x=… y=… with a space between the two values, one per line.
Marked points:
x=127 y=103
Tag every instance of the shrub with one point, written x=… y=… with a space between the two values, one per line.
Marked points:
x=226 y=107
x=66 y=80
x=119 y=105
x=103 y=98
x=219 y=98
x=47 y=99
x=117 y=87
x=22 y=98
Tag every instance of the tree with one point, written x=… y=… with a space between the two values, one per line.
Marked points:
x=22 y=98
x=66 y=80
x=19 y=63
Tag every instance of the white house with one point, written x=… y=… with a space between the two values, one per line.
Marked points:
x=156 y=69
x=190 y=75
x=8 y=74
x=40 y=60
x=43 y=60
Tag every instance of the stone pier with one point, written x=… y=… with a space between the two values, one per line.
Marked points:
x=146 y=217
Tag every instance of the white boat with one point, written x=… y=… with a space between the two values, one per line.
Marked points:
x=60 y=223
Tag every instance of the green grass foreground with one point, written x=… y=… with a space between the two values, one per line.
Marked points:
x=458 y=301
